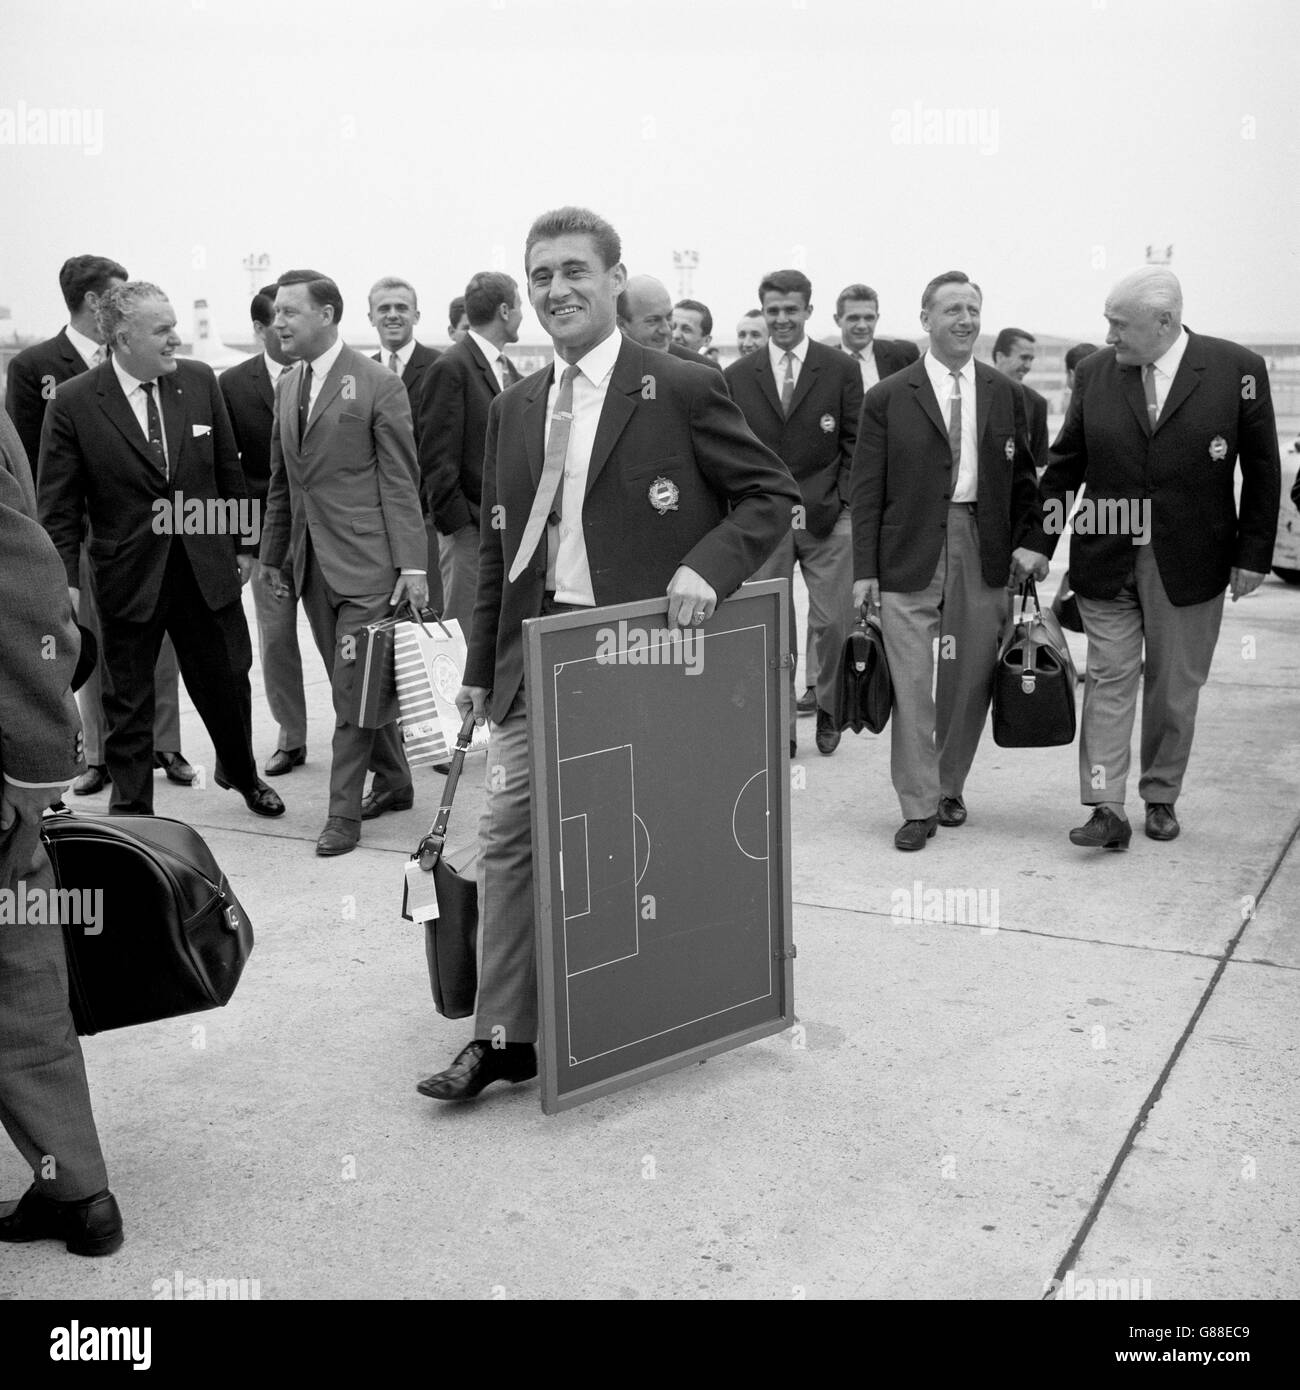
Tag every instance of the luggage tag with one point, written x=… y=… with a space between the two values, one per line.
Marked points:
x=421 y=893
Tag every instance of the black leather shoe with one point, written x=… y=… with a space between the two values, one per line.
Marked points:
x=176 y=768
x=478 y=1066
x=952 y=810
x=1162 y=824
x=340 y=836
x=285 y=760
x=807 y=702
x=828 y=736
x=261 y=799
x=913 y=834
x=89 y=1227
x=376 y=803
x=94 y=779
x=443 y=768
x=1105 y=830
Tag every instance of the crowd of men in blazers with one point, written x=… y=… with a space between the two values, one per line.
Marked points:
x=920 y=483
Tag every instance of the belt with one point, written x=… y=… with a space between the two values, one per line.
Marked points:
x=965 y=506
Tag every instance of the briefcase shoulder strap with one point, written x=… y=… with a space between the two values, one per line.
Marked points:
x=429 y=850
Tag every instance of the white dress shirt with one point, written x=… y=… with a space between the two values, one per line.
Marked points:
x=403 y=356
x=965 y=484
x=776 y=356
x=273 y=368
x=320 y=369
x=139 y=403
x=867 y=362
x=88 y=349
x=1166 y=368
x=568 y=546
x=495 y=358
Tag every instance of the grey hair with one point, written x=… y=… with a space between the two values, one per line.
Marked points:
x=1153 y=289
x=119 y=303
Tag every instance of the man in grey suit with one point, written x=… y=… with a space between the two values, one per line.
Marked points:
x=344 y=505
x=44 y=1099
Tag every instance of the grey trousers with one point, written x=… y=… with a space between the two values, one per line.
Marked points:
x=507 y=991
x=936 y=724
x=277 y=641
x=90 y=698
x=1179 y=646
x=459 y=557
x=828 y=571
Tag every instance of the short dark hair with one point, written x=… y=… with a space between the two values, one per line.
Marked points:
x=1008 y=338
x=454 y=310
x=855 y=292
x=706 y=318
x=262 y=309
x=486 y=293
x=949 y=277
x=1077 y=353
x=83 y=275
x=752 y=314
x=786 y=282
x=573 y=221
x=321 y=290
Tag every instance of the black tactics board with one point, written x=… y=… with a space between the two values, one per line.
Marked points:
x=661 y=812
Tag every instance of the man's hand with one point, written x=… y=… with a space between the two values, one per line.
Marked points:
x=75 y=596
x=473 y=697
x=1028 y=564
x=692 y=600
x=413 y=589
x=272 y=578
x=866 y=591
x=26 y=804
x=1244 y=582
x=244 y=563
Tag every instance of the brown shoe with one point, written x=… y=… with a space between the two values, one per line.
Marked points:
x=340 y=836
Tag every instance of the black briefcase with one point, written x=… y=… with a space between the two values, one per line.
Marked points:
x=450 y=938
x=864 y=693
x=170 y=936
x=1033 y=682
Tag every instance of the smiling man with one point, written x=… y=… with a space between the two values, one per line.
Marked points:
x=596 y=491
x=857 y=313
x=944 y=503
x=140 y=429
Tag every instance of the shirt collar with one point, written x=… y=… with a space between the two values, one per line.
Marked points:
x=403 y=353
x=321 y=365
x=273 y=368
x=86 y=347
x=598 y=363
x=776 y=355
x=1167 y=363
x=128 y=382
x=489 y=350
x=940 y=375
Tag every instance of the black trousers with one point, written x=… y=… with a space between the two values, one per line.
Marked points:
x=214 y=653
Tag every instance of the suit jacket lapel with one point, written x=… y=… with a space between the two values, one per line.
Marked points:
x=535 y=426
x=76 y=363
x=984 y=401
x=175 y=420
x=484 y=366
x=1186 y=379
x=919 y=381
x=330 y=388
x=113 y=402
x=620 y=403
x=807 y=375
x=763 y=369
x=262 y=383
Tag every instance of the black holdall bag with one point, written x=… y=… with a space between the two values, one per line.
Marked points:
x=171 y=937
x=864 y=693
x=450 y=938
x=1033 y=682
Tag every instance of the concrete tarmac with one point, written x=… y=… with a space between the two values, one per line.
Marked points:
x=1094 y=1081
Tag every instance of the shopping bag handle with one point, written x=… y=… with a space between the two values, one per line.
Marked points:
x=418 y=617
x=429 y=850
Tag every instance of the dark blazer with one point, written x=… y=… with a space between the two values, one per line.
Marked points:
x=686 y=355
x=250 y=400
x=96 y=465
x=1036 y=405
x=1219 y=410
x=33 y=374
x=903 y=477
x=450 y=428
x=422 y=358
x=816 y=443
x=893 y=354
x=734 y=501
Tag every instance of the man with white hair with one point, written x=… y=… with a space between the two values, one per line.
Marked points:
x=1157 y=423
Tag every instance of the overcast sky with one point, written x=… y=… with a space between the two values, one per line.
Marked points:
x=421 y=137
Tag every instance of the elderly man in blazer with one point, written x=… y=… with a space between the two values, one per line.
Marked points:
x=943 y=502
x=44 y=1100
x=344 y=504
x=608 y=493
x=141 y=448
x=803 y=399
x=451 y=426
x=1157 y=424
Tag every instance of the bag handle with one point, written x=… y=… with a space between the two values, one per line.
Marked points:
x=429 y=850
x=418 y=617
x=1029 y=594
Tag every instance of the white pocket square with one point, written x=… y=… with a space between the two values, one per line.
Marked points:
x=201 y=430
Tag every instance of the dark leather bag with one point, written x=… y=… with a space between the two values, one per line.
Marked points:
x=172 y=937
x=864 y=691
x=1033 y=683
x=450 y=938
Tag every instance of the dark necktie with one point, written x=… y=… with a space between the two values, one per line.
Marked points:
x=787 y=386
x=954 y=423
x=156 y=447
x=1149 y=386
x=546 y=501
x=304 y=399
